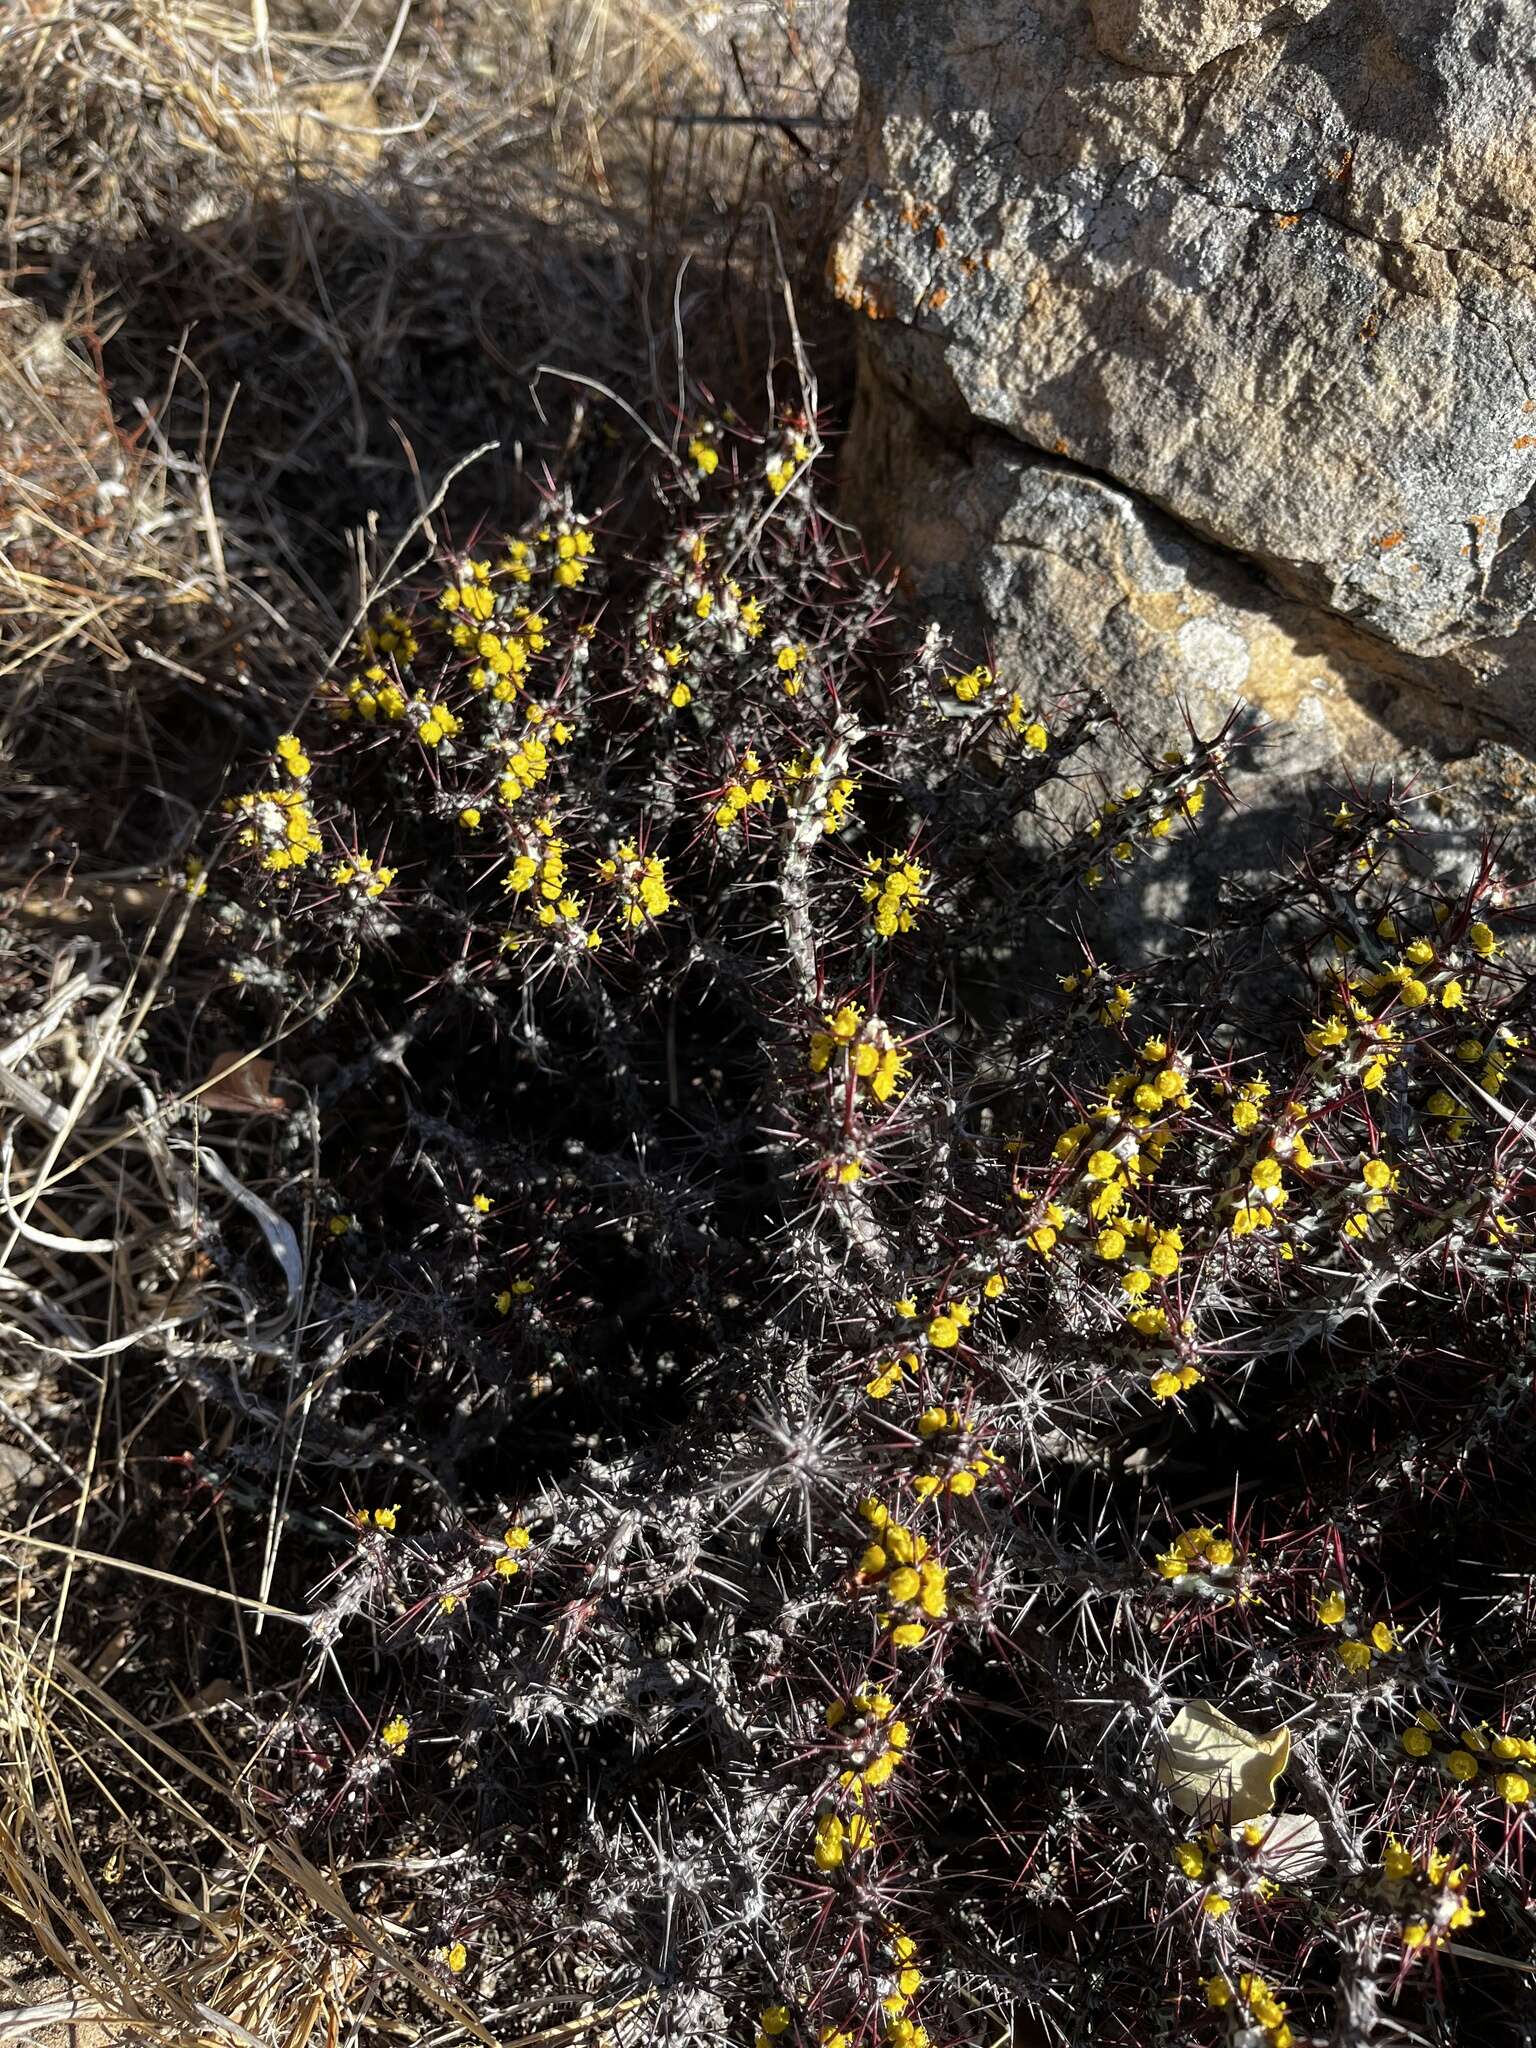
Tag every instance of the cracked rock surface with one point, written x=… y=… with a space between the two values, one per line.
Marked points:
x=1075 y=581
x=1269 y=268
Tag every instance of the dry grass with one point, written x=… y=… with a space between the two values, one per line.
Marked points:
x=270 y=272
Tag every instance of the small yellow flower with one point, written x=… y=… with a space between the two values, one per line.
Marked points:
x=396 y=1734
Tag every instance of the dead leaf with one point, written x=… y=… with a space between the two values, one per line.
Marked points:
x=238 y=1081
x=1290 y=1846
x=1209 y=1764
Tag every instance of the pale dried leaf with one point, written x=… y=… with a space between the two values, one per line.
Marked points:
x=1292 y=1847
x=1210 y=1764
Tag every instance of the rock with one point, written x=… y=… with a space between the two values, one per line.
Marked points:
x=1066 y=580
x=1076 y=581
x=1268 y=267
x=1184 y=35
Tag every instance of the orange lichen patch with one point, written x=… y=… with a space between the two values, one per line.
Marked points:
x=1390 y=540
x=937 y=297
x=968 y=264
x=1286 y=220
x=1058 y=447
x=1369 y=325
x=940 y=238
x=1163 y=610
x=1289 y=674
x=861 y=298
x=1283 y=675
x=1525 y=440
x=916 y=216
x=1344 y=166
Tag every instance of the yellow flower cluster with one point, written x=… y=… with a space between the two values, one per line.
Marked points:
x=837 y=1839
x=538 y=871
x=947 y=1323
x=1261 y=1199
x=1361 y=1642
x=1197 y=1552
x=772 y=2021
x=748 y=789
x=1428 y=1894
x=516 y=1540
x=1247 y=1108
x=641 y=880
x=1418 y=977
x=1496 y=1056
x=788 y=661
x=501 y=663
x=804 y=778
x=897 y=1564
x=1249 y=2001
x=573 y=551
x=980 y=686
x=906 y=1979
x=783 y=467
x=950 y=1433
x=1357 y=1045
x=279 y=820
x=472 y=595
x=433 y=723
x=898 y=891
x=874 y=1739
x=863 y=1048
x=360 y=875
x=1371 y=1197
x=890 y=1375
x=373 y=696
x=1476 y=1749
x=1119 y=1146
x=1233 y=1866
x=394 y=635
x=1150 y=811
x=974 y=684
